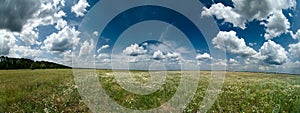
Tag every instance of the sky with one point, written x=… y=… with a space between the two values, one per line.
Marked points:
x=237 y=35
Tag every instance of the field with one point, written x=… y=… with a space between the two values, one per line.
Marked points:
x=55 y=91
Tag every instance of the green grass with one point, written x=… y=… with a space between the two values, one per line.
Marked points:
x=55 y=91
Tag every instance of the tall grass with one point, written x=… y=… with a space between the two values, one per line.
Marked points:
x=55 y=91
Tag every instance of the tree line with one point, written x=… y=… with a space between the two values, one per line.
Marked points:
x=23 y=63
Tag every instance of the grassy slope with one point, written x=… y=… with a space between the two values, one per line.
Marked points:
x=39 y=90
x=55 y=91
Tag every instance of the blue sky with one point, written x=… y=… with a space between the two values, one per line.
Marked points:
x=239 y=35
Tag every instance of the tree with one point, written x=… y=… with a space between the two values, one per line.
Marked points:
x=43 y=65
x=23 y=63
x=7 y=66
x=32 y=66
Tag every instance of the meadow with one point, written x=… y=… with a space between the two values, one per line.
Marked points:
x=54 y=90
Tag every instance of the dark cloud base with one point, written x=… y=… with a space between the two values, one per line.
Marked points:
x=15 y=13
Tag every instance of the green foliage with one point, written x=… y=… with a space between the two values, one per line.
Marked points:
x=22 y=63
x=43 y=65
x=32 y=66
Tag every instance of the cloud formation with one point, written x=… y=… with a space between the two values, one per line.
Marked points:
x=229 y=42
x=87 y=48
x=48 y=13
x=63 y=40
x=294 y=50
x=7 y=41
x=134 y=50
x=173 y=55
x=158 y=55
x=204 y=56
x=14 y=14
x=272 y=54
x=80 y=8
x=232 y=61
x=245 y=11
x=102 y=47
x=296 y=35
x=277 y=24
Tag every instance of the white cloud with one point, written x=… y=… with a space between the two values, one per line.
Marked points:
x=233 y=61
x=290 y=14
x=106 y=60
x=40 y=13
x=174 y=56
x=29 y=35
x=158 y=55
x=87 y=48
x=27 y=52
x=219 y=63
x=96 y=33
x=145 y=44
x=226 y=13
x=294 y=50
x=80 y=8
x=7 y=41
x=48 y=13
x=276 y=25
x=133 y=60
x=272 y=54
x=57 y=2
x=61 y=24
x=204 y=56
x=134 y=50
x=103 y=47
x=63 y=40
x=102 y=56
x=252 y=44
x=245 y=11
x=296 y=35
x=163 y=47
x=229 y=42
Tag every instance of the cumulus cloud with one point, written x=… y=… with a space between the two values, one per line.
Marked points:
x=102 y=47
x=276 y=25
x=80 y=8
x=48 y=14
x=106 y=60
x=219 y=63
x=296 y=35
x=15 y=13
x=226 y=13
x=272 y=53
x=61 y=24
x=7 y=41
x=63 y=40
x=96 y=33
x=87 y=48
x=294 y=50
x=229 y=42
x=245 y=11
x=134 y=50
x=232 y=61
x=25 y=16
x=204 y=56
x=27 y=52
x=173 y=55
x=102 y=55
x=158 y=55
x=163 y=47
x=29 y=35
